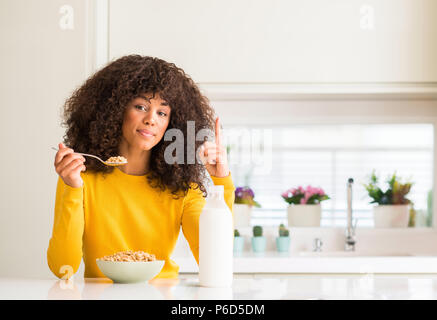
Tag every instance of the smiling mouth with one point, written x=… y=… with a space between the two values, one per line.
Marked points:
x=145 y=134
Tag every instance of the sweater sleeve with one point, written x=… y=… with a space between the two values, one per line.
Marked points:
x=65 y=246
x=192 y=208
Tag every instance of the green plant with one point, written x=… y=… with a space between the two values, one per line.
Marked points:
x=257 y=231
x=395 y=193
x=413 y=215
x=283 y=232
x=236 y=233
x=429 y=209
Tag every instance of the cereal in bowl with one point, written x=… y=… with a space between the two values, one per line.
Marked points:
x=130 y=256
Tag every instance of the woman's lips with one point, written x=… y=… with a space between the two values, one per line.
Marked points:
x=146 y=133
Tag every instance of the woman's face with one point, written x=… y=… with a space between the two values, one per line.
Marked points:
x=145 y=120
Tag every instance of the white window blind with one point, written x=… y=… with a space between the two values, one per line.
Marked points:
x=326 y=156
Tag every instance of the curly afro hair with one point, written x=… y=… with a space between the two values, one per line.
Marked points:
x=93 y=116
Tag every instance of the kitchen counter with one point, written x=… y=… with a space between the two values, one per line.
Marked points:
x=378 y=250
x=324 y=262
x=245 y=287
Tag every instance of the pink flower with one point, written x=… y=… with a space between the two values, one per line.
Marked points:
x=303 y=195
x=310 y=190
x=287 y=193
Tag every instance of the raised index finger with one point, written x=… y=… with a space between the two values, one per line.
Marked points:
x=218 y=133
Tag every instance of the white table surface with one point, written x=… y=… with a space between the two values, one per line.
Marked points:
x=247 y=287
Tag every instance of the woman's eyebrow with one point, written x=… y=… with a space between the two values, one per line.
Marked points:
x=144 y=97
x=164 y=103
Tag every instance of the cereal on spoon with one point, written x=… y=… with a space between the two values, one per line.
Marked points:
x=118 y=159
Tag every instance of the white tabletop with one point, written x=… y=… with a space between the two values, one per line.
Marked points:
x=259 y=287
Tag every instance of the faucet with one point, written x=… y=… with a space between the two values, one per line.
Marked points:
x=350 y=230
x=317 y=245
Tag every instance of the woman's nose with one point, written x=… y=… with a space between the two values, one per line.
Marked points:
x=150 y=119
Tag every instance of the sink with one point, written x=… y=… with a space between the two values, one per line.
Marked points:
x=351 y=254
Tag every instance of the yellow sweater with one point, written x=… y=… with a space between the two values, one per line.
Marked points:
x=122 y=212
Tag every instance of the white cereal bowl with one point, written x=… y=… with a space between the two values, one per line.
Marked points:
x=130 y=272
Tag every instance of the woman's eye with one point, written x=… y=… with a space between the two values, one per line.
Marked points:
x=162 y=114
x=139 y=107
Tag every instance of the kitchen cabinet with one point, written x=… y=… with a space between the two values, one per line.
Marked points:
x=282 y=41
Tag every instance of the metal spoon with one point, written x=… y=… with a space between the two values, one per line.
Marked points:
x=108 y=163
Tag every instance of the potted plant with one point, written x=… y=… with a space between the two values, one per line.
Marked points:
x=283 y=241
x=244 y=201
x=238 y=242
x=392 y=210
x=258 y=241
x=428 y=220
x=304 y=209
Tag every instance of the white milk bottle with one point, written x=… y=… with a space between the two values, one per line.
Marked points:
x=216 y=241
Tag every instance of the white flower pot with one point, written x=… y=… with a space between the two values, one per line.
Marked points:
x=391 y=216
x=304 y=215
x=242 y=215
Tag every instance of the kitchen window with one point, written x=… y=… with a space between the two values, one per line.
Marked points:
x=326 y=155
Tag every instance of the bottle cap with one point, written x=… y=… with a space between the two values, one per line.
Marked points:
x=217 y=192
x=218 y=188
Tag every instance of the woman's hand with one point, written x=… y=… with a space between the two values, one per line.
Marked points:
x=69 y=165
x=214 y=156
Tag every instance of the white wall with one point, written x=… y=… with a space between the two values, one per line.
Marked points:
x=41 y=65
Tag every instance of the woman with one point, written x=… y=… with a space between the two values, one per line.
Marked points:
x=125 y=109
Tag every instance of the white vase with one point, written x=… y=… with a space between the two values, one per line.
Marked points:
x=391 y=216
x=304 y=215
x=242 y=215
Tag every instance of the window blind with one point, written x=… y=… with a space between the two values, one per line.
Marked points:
x=326 y=156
